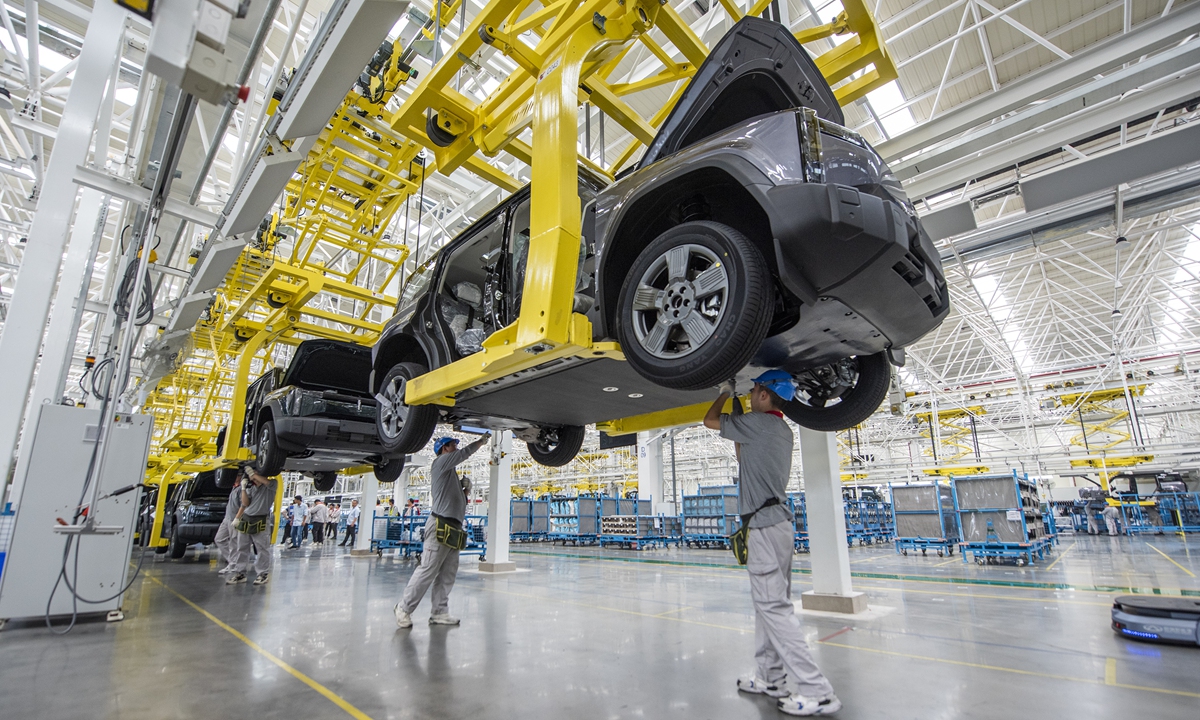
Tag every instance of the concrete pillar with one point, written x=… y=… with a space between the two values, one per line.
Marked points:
x=370 y=491
x=650 y=474
x=401 y=488
x=499 y=494
x=832 y=590
x=21 y=341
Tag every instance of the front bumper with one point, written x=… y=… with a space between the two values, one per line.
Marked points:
x=197 y=532
x=863 y=256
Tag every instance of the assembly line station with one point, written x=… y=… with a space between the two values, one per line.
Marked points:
x=288 y=255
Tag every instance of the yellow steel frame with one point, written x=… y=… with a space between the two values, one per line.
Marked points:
x=950 y=420
x=364 y=165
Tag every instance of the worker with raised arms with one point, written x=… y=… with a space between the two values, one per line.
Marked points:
x=765 y=462
x=444 y=535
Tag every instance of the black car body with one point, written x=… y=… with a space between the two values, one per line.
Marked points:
x=755 y=233
x=318 y=416
x=194 y=512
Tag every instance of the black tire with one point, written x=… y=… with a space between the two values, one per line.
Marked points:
x=324 y=481
x=176 y=548
x=854 y=406
x=742 y=290
x=437 y=135
x=390 y=469
x=557 y=446
x=404 y=429
x=269 y=458
x=226 y=477
x=161 y=549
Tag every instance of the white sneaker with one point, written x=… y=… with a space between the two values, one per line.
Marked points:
x=403 y=619
x=261 y=579
x=443 y=619
x=801 y=705
x=235 y=579
x=759 y=686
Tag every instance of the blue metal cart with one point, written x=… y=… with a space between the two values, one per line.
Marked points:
x=923 y=517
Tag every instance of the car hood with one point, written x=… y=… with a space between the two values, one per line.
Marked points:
x=330 y=365
x=757 y=68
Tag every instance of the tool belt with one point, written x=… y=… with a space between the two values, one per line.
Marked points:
x=252 y=524
x=738 y=540
x=450 y=532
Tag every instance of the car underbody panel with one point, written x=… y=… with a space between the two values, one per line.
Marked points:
x=581 y=393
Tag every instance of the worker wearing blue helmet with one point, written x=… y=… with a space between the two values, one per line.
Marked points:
x=439 y=555
x=765 y=444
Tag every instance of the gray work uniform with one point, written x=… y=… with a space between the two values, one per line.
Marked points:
x=262 y=502
x=226 y=539
x=766 y=465
x=439 y=564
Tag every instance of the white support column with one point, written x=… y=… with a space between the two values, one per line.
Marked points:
x=499 y=494
x=650 y=473
x=21 y=342
x=366 y=527
x=401 y=489
x=832 y=590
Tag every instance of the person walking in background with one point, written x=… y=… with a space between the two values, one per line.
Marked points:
x=320 y=516
x=331 y=527
x=352 y=516
x=297 y=515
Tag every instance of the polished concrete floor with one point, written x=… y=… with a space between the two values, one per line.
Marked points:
x=589 y=633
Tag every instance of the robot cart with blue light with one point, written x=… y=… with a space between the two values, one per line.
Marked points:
x=1000 y=518
x=1171 y=620
x=923 y=517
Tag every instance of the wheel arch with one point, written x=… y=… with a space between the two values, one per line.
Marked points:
x=712 y=192
x=397 y=348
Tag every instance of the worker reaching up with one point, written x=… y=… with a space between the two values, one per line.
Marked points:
x=765 y=464
x=444 y=535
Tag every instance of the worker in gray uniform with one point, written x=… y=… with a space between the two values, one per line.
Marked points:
x=226 y=538
x=253 y=526
x=766 y=443
x=439 y=558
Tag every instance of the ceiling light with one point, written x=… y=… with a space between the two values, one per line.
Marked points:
x=635 y=396
x=1116 y=312
x=1122 y=240
x=611 y=389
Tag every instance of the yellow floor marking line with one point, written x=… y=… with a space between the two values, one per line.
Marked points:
x=1168 y=557
x=329 y=695
x=951 y=560
x=678 y=609
x=1110 y=671
x=1062 y=555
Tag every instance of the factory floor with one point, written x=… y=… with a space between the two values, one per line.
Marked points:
x=592 y=633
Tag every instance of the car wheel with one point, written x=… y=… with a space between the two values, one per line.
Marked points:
x=225 y=478
x=557 y=446
x=389 y=470
x=402 y=428
x=176 y=548
x=841 y=395
x=269 y=457
x=324 y=481
x=695 y=306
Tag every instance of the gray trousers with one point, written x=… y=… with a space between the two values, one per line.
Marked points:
x=439 y=567
x=245 y=557
x=226 y=541
x=780 y=646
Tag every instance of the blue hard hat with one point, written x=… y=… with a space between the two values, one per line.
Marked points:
x=441 y=443
x=778 y=382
